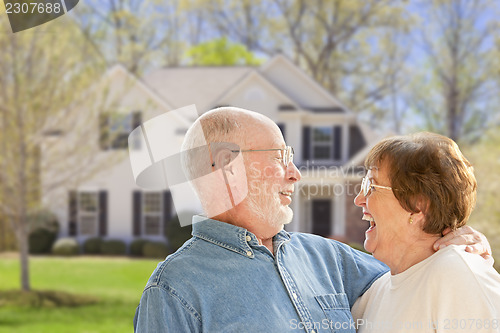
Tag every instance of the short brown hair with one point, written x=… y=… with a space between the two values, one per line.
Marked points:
x=428 y=173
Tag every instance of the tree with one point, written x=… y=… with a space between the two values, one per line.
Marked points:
x=221 y=52
x=245 y=21
x=347 y=46
x=484 y=156
x=454 y=89
x=135 y=33
x=45 y=75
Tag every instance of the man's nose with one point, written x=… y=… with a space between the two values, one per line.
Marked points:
x=293 y=173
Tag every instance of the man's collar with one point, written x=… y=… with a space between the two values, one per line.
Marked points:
x=229 y=236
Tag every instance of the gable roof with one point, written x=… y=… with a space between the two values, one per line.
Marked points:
x=206 y=86
x=195 y=85
x=282 y=72
x=119 y=72
x=256 y=76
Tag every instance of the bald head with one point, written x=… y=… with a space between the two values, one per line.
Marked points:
x=221 y=125
x=224 y=124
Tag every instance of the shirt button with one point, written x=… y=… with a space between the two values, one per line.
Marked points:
x=294 y=295
x=249 y=253
x=313 y=331
x=249 y=238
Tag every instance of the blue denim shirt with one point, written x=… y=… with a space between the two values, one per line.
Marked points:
x=222 y=280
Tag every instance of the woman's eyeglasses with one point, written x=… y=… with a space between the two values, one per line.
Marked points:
x=367 y=187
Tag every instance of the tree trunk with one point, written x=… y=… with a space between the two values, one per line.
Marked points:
x=22 y=238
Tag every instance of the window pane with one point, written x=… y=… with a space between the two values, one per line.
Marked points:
x=88 y=202
x=322 y=134
x=152 y=225
x=120 y=126
x=322 y=152
x=152 y=202
x=120 y=141
x=120 y=122
x=88 y=225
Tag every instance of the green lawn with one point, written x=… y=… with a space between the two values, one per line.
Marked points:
x=117 y=282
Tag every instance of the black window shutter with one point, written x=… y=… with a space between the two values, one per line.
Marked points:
x=136 y=119
x=167 y=208
x=104 y=131
x=137 y=212
x=135 y=144
x=306 y=143
x=356 y=140
x=103 y=213
x=282 y=129
x=337 y=142
x=73 y=213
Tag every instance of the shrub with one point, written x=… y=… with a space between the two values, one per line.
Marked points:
x=113 y=247
x=42 y=228
x=175 y=234
x=155 y=250
x=41 y=241
x=92 y=245
x=137 y=246
x=65 y=247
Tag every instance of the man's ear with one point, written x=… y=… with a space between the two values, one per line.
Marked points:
x=222 y=159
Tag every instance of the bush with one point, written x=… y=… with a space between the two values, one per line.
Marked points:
x=175 y=234
x=113 y=247
x=65 y=247
x=43 y=228
x=137 y=246
x=92 y=245
x=155 y=250
x=41 y=241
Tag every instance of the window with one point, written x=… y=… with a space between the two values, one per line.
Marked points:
x=321 y=143
x=152 y=214
x=88 y=213
x=151 y=211
x=115 y=128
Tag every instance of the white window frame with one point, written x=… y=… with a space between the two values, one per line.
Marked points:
x=328 y=143
x=87 y=214
x=145 y=214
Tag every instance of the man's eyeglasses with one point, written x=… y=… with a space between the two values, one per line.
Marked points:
x=286 y=153
x=367 y=187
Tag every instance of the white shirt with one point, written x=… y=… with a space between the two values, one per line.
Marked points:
x=451 y=291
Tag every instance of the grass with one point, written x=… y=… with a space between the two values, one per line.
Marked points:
x=44 y=298
x=116 y=284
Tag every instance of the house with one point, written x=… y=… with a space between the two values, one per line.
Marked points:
x=329 y=145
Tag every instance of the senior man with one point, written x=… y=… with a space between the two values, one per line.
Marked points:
x=241 y=272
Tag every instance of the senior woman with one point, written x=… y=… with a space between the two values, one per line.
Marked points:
x=416 y=187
